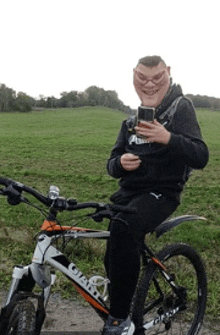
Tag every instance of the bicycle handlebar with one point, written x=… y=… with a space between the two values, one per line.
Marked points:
x=13 y=190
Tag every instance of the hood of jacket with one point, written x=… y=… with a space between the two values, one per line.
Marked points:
x=174 y=92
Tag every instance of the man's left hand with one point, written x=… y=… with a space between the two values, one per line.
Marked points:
x=153 y=132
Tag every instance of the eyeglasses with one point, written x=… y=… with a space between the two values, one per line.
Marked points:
x=145 y=80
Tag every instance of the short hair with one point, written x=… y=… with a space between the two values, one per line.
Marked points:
x=151 y=61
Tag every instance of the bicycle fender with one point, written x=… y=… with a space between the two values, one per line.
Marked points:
x=170 y=224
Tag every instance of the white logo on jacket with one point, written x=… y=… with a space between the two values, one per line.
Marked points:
x=134 y=139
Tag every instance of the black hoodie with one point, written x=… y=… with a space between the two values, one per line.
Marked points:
x=164 y=168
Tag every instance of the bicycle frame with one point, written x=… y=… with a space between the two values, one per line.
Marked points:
x=46 y=254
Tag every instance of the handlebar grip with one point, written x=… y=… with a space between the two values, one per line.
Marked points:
x=5 y=181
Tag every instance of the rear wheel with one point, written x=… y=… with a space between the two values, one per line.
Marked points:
x=22 y=319
x=158 y=308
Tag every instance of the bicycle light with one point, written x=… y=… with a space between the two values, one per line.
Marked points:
x=54 y=192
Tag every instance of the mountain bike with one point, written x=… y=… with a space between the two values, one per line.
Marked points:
x=171 y=294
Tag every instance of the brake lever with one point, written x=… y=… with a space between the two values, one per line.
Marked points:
x=100 y=214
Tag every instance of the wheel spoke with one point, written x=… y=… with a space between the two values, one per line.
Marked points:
x=168 y=310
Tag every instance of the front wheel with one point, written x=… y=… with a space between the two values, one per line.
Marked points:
x=161 y=309
x=22 y=319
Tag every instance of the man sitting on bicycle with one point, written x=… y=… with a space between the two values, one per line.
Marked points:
x=153 y=161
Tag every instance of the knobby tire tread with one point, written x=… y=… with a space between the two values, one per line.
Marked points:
x=22 y=320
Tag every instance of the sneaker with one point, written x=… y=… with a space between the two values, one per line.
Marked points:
x=115 y=326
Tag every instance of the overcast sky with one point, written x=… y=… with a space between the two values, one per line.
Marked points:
x=51 y=46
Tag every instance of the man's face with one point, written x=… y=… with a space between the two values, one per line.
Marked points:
x=151 y=83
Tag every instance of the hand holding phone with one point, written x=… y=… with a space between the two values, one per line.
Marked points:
x=153 y=132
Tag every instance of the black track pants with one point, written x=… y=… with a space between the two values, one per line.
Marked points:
x=127 y=232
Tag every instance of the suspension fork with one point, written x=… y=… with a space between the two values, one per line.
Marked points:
x=21 y=288
x=22 y=280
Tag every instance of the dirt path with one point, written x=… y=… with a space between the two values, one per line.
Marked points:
x=69 y=315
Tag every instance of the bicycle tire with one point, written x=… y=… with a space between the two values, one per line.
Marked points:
x=22 y=320
x=190 y=273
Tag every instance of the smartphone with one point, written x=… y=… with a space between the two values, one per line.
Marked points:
x=145 y=114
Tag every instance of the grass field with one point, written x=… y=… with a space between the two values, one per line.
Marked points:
x=69 y=148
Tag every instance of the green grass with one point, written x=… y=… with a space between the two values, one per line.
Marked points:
x=69 y=148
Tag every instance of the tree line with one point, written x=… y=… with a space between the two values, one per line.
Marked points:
x=92 y=96
x=203 y=101
x=11 y=101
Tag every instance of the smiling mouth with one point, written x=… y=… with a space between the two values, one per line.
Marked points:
x=150 y=93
